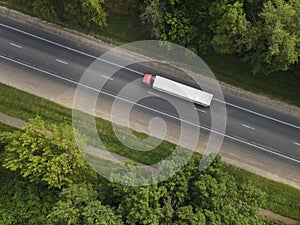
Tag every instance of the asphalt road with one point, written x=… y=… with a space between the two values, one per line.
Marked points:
x=249 y=126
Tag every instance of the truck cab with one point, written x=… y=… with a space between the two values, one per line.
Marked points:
x=148 y=80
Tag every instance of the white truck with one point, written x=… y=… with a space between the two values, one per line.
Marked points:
x=177 y=89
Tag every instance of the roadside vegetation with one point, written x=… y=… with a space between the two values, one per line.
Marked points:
x=274 y=200
x=277 y=197
x=254 y=45
x=44 y=180
x=5 y=128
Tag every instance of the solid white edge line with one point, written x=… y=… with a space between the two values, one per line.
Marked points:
x=154 y=110
x=151 y=93
x=296 y=143
x=94 y=57
x=63 y=62
x=200 y=110
x=15 y=45
x=258 y=114
x=69 y=48
x=240 y=138
x=109 y=78
x=244 y=125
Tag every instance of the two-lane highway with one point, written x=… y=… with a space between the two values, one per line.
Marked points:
x=248 y=124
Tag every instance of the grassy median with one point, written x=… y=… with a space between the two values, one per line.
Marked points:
x=281 y=199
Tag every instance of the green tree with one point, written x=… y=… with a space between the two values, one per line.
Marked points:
x=187 y=215
x=153 y=16
x=25 y=5
x=184 y=22
x=85 y=13
x=22 y=202
x=252 y=8
x=44 y=9
x=221 y=200
x=168 y=21
x=47 y=155
x=93 y=13
x=96 y=214
x=230 y=26
x=178 y=28
x=147 y=201
x=78 y=204
x=5 y=138
x=276 y=38
x=189 y=197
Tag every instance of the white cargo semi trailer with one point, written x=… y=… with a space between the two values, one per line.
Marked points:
x=177 y=89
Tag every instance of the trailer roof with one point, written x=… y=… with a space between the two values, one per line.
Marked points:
x=183 y=91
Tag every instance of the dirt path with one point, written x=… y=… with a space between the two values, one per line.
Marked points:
x=11 y=121
x=269 y=215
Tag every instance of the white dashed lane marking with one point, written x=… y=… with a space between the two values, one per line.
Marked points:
x=154 y=110
x=86 y=54
x=60 y=61
x=244 y=125
x=15 y=45
x=296 y=143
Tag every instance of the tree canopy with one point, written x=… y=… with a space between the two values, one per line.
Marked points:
x=47 y=155
x=60 y=188
x=276 y=43
x=263 y=33
x=77 y=13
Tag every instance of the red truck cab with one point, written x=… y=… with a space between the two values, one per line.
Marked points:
x=148 y=79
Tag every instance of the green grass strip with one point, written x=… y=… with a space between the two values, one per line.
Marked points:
x=281 y=198
x=22 y=105
x=284 y=86
x=7 y=128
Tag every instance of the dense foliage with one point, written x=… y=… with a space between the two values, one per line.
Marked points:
x=45 y=181
x=43 y=177
x=92 y=14
x=265 y=33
